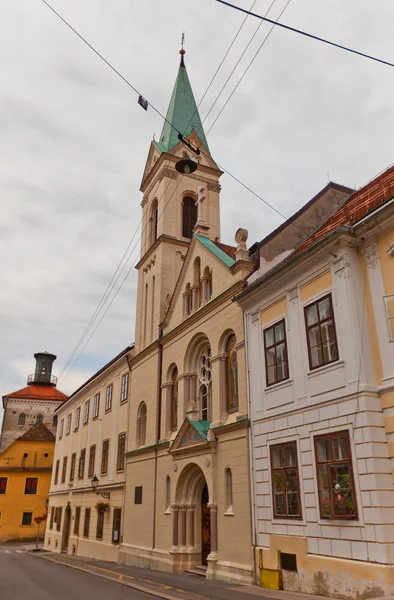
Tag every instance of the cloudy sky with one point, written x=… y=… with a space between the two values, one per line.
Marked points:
x=74 y=143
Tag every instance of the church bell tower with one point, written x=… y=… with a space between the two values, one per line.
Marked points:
x=169 y=209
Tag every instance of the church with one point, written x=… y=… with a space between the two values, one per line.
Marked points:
x=187 y=500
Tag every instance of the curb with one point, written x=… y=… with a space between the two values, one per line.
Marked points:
x=134 y=586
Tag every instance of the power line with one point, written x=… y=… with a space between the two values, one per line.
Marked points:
x=306 y=34
x=104 y=296
x=237 y=63
x=220 y=66
x=248 y=67
x=125 y=278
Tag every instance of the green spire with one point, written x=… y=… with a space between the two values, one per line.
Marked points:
x=182 y=113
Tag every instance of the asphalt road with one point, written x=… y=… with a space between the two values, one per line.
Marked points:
x=26 y=577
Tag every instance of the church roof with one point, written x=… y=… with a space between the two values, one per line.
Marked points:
x=38 y=392
x=38 y=433
x=221 y=251
x=182 y=114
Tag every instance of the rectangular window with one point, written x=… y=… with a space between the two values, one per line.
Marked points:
x=86 y=412
x=389 y=305
x=92 y=456
x=124 y=392
x=61 y=429
x=320 y=333
x=81 y=466
x=31 y=485
x=77 y=418
x=116 y=525
x=337 y=498
x=3 y=485
x=64 y=469
x=68 y=424
x=77 y=520
x=104 y=457
x=121 y=452
x=52 y=517
x=86 y=523
x=285 y=481
x=138 y=494
x=108 y=398
x=72 y=468
x=57 y=472
x=275 y=346
x=58 y=517
x=96 y=406
x=27 y=518
x=100 y=525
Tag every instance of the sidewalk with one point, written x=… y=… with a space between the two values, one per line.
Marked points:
x=169 y=586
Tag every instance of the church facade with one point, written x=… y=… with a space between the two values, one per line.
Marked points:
x=187 y=501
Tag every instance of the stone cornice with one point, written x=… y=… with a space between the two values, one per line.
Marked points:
x=148 y=449
x=26 y=469
x=162 y=238
x=101 y=488
x=242 y=424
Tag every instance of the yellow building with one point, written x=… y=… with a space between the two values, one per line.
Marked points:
x=25 y=477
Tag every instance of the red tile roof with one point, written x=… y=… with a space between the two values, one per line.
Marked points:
x=38 y=433
x=229 y=250
x=39 y=392
x=360 y=204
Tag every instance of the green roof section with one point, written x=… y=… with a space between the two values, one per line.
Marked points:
x=221 y=255
x=182 y=114
x=202 y=427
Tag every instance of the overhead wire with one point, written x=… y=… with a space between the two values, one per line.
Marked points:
x=125 y=278
x=306 y=34
x=236 y=65
x=220 y=66
x=248 y=67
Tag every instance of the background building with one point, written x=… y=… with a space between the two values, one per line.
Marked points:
x=25 y=477
x=90 y=453
x=36 y=402
x=320 y=324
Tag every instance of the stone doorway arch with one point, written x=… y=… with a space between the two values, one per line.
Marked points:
x=66 y=529
x=194 y=520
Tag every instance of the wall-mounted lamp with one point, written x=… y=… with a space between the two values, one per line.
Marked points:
x=95 y=483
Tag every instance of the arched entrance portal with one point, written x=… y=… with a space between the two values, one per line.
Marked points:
x=194 y=520
x=205 y=526
x=66 y=528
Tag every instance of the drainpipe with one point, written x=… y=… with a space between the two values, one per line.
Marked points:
x=251 y=454
x=158 y=427
x=127 y=440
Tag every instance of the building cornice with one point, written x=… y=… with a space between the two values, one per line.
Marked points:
x=148 y=449
x=243 y=423
x=101 y=488
x=162 y=238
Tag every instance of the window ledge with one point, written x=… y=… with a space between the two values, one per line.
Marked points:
x=326 y=368
x=228 y=513
x=278 y=386
x=167 y=512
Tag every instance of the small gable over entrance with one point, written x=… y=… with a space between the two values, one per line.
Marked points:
x=191 y=434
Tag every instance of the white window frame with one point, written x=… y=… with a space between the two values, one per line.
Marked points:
x=108 y=397
x=77 y=418
x=61 y=429
x=86 y=409
x=390 y=320
x=96 y=405
x=124 y=393
x=68 y=424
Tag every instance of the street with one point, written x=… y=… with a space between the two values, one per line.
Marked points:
x=23 y=575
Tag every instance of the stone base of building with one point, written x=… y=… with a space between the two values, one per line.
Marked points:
x=321 y=575
x=179 y=561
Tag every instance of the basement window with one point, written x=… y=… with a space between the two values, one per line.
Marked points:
x=288 y=562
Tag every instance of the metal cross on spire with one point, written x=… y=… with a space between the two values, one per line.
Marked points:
x=183 y=39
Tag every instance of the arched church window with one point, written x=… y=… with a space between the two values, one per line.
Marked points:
x=174 y=400
x=39 y=418
x=232 y=375
x=197 y=284
x=205 y=380
x=22 y=419
x=153 y=221
x=229 y=490
x=189 y=216
x=206 y=285
x=141 y=424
